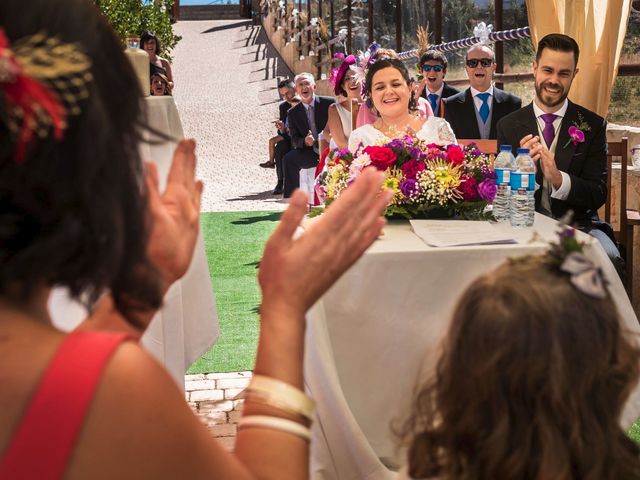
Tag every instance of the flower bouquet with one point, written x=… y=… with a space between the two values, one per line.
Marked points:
x=428 y=180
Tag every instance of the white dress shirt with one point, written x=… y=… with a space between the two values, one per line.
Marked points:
x=562 y=192
x=478 y=101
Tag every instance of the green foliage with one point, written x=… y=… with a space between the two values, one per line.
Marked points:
x=133 y=17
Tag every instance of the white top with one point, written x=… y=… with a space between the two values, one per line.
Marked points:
x=434 y=130
x=345 y=120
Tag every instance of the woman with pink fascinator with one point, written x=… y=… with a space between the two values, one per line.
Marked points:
x=345 y=86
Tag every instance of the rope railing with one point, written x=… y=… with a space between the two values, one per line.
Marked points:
x=502 y=36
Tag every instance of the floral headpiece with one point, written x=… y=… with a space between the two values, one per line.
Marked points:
x=567 y=256
x=42 y=80
x=338 y=73
x=363 y=61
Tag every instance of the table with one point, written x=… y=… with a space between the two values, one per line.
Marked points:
x=187 y=325
x=378 y=329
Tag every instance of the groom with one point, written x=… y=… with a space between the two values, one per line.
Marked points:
x=567 y=142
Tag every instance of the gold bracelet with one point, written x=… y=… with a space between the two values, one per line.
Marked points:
x=275 y=423
x=257 y=396
x=282 y=394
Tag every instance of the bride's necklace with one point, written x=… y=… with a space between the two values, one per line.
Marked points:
x=391 y=130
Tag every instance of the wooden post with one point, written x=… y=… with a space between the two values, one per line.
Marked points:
x=370 y=20
x=499 y=45
x=175 y=11
x=349 y=26
x=398 y=25
x=438 y=22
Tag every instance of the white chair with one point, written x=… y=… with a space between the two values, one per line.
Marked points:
x=307 y=182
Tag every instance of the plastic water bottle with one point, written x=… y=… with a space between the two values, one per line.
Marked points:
x=503 y=166
x=523 y=184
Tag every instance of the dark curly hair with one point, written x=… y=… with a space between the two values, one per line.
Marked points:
x=73 y=213
x=530 y=385
x=386 y=62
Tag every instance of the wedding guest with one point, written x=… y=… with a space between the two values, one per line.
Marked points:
x=348 y=90
x=306 y=120
x=572 y=170
x=532 y=379
x=475 y=112
x=366 y=113
x=286 y=89
x=389 y=87
x=150 y=44
x=160 y=85
x=433 y=88
x=80 y=211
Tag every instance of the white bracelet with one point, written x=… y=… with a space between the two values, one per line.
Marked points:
x=282 y=394
x=275 y=423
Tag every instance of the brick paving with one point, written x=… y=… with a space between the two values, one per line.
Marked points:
x=211 y=397
x=226 y=74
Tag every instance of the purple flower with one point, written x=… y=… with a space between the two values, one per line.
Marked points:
x=409 y=187
x=414 y=152
x=577 y=135
x=395 y=143
x=567 y=233
x=487 y=172
x=487 y=190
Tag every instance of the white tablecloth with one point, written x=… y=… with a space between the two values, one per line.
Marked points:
x=187 y=325
x=380 y=325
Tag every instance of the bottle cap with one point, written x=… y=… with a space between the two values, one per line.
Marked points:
x=505 y=148
x=523 y=151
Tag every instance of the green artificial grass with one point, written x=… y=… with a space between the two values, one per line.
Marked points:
x=234 y=242
x=634 y=432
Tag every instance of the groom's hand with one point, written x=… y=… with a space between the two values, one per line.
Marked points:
x=542 y=157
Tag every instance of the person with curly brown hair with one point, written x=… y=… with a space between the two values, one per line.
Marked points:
x=532 y=380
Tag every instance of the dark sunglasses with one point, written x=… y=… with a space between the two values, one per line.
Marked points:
x=485 y=62
x=435 y=68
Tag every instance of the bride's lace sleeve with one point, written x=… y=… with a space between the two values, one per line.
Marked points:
x=445 y=134
x=355 y=139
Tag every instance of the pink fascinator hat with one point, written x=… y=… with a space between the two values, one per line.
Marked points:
x=338 y=73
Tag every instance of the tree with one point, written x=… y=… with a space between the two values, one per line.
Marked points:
x=133 y=17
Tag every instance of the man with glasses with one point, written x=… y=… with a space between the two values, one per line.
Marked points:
x=474 y=113
x=433 y=88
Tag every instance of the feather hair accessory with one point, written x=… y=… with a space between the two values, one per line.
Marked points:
x=43 y=81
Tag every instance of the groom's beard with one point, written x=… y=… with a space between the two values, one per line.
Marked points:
x=549 y=100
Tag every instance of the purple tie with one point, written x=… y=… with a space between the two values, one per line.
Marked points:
x=549 y=132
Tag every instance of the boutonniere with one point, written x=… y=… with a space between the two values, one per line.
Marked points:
x=576 y=131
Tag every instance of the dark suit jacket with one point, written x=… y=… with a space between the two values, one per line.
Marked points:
x=586 y=162
x=460 y=112
x=283 y=109
x=447 y=91
x=299 y=125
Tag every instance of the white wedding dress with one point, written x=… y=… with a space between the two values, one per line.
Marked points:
x=435 y=130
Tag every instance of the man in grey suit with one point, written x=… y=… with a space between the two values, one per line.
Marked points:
x=306 y=120
x=474 y=113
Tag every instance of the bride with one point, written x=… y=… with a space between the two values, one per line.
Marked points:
x=388 y=86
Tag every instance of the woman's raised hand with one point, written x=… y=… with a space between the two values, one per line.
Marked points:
x=295 y=272
x=174 y=214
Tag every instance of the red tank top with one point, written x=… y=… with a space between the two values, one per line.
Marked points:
x=45 y=438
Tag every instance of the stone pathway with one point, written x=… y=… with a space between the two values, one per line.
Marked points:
x=226 y=75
